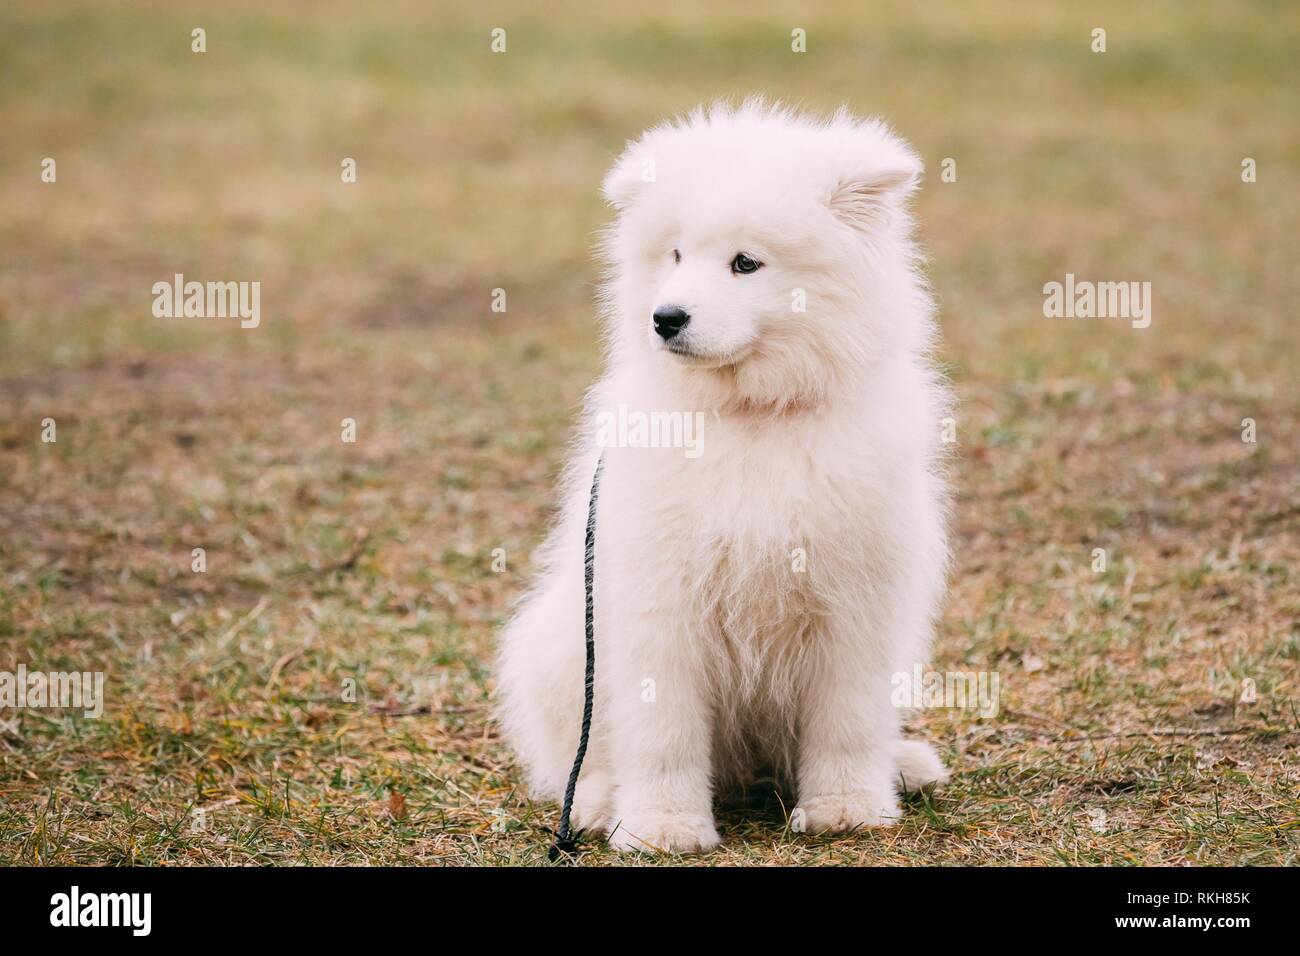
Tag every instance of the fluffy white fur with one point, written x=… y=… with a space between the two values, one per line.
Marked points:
x=718 y=651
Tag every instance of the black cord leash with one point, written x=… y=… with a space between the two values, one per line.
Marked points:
x=566 y=842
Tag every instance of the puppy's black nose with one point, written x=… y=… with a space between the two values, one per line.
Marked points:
x=669 y=320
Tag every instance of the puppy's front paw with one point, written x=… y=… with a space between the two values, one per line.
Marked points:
x=593 y=803
x=664 y=832
x=840 y=812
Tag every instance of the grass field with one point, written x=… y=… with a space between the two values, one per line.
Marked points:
x=1122 y=737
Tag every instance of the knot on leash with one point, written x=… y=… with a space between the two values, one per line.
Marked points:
x=564 y=849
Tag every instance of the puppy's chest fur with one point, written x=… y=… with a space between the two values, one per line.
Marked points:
x=776 y=547
x=774 y=542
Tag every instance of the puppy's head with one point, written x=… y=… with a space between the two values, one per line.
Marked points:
x=762 y=255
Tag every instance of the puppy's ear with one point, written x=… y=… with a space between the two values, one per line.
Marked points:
x=868 y=201
x=631 y=173
x=875 y=173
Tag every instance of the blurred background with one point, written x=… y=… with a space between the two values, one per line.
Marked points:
x=320 y=693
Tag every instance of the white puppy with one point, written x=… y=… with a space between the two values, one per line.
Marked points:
x=757 y=589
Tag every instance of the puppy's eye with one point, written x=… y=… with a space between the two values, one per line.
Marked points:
x=744 y=265
x=677 y=256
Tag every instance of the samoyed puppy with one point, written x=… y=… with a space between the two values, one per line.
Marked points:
x=770 y=543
